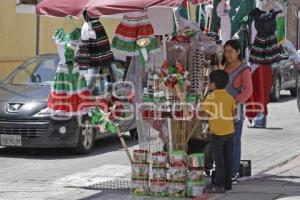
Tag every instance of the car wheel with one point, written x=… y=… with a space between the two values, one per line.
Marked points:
x=275 y=95
x=293 y=92
x=134 y=133
x=86 y=137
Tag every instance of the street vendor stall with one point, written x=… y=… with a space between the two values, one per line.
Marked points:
x=168 y=90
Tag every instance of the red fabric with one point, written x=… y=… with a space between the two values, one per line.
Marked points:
x=110 y=7
x=132 y=33
x=70 y=103
x=61 y=8
x=262 y=83
x=95 y=8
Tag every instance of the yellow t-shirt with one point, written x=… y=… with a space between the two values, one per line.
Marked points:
x=221 y=107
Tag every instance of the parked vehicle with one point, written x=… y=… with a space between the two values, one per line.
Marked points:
x=26 y=121
x=285 y=72
x=298 y=85
x=298 y=94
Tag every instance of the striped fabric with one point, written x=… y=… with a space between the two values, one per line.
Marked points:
x=132 y=27
x=265 y=50
x=69 y=94
x=94 y=52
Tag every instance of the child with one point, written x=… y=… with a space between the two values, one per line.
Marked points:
x=220 y=107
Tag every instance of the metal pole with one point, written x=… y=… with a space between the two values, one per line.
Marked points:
x=37 y=42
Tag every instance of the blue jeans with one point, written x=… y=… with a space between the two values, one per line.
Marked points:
x=238 y=126
x=237 y=146
x=260 y=120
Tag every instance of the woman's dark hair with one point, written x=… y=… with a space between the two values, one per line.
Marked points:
x=235 y=44
x=220 y=78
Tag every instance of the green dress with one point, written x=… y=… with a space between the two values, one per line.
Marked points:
x=69 y=93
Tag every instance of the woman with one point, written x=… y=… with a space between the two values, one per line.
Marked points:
x=240 y=87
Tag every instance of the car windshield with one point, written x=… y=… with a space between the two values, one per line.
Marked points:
x=39 y=70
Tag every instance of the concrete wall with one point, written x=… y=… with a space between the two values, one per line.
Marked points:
x=18 y=34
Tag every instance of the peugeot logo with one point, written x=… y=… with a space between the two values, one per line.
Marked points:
x=14 y=107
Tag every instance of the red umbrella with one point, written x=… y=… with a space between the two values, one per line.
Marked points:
x=110 y=7
x=63 y=8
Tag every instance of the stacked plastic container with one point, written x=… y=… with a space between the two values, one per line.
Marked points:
x=140 y=173
x=195 y=183
x=178 y=173
x=159 y=183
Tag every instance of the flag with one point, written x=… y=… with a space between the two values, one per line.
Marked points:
x=183 y=9
x=241 y=22
x=200 y=10
x=181 y=12
x=280 y=27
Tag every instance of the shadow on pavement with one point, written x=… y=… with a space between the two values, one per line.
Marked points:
x=103 y=145
x=268 y=128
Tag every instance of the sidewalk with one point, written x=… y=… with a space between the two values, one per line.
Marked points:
x=282 y=183
x=275 y=156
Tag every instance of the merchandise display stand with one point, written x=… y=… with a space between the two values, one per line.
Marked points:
x=162 y=26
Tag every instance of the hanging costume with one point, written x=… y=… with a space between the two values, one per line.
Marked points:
x=265 y=49
x=264 y=52
x=94 y=49
x=225 y=24
x=133 y=27
x=241 y=23
x=69 y=89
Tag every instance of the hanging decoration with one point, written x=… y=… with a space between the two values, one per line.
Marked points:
x=173 y=75
x=143 y=52
x=101 y=118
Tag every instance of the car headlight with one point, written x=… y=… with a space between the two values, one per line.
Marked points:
x=44 y=112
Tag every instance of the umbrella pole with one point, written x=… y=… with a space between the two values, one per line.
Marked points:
x=124 y=144
x=168 y=120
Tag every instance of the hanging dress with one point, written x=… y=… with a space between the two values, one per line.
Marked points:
x=94 y=51
x=133 y=27
x=69 y=95
x=265 y=49
x=223 y=9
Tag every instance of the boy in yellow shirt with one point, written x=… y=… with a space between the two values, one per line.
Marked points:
x=220 y=106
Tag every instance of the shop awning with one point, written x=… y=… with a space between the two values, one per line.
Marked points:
x=63 y=8
x=110 y=7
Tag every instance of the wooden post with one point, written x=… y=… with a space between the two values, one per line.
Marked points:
x=124 y=144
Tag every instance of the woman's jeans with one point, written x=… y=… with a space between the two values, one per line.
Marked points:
x=260 y=120
x=238 y=126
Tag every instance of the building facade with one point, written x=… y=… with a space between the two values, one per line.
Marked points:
x=19 y=37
